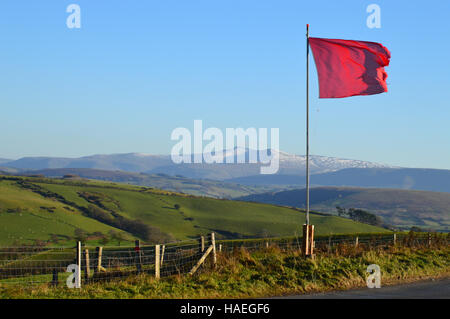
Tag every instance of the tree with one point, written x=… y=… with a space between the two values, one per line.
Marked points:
x=360 y=215
x=341 y=211
x=54 y=238
x=416 y=229
x=119 y=237
x=364 y=216
x=104 y=240
x=38 y=243
x=97 y=234
x=80 y=234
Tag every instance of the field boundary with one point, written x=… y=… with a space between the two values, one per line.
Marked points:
x=48 y=265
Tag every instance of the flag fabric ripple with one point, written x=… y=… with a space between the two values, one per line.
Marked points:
x=348 y=67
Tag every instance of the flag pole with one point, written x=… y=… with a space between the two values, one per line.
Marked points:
x=307 y=124
x=308 y=230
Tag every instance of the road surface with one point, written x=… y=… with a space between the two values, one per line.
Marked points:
x=429 y=289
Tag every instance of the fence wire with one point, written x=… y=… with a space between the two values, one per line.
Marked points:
x=48 y=265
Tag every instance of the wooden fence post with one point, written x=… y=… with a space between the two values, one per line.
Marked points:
x=78 y=279
x=267 y=244
x=162 y=255
x=98 y=253
x=220 y=247
x=202 y=244
x=429 y=239
x=395 y=239
x=157 y=261
x=329 y=244
x=305 y=242
x=213 y=243
x=356 y=241
x=87 y=269
x=200 y=262
x=55 y=277
x=138 y=258
x=311 y=240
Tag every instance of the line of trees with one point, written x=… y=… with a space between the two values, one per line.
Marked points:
x=360 y=215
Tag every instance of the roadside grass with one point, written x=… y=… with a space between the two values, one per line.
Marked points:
x=265 y=273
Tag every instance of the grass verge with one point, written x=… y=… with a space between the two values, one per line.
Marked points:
x=265 y=273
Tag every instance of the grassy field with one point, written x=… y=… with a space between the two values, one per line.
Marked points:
x=26 y=216
x=37 y=208
x=264 y=273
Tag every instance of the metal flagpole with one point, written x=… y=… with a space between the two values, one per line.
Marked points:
x=307 y=124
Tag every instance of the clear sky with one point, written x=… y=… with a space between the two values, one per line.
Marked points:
x=136 y=70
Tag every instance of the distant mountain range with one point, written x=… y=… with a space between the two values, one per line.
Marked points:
x=401 y=208
x=132 y=162
x=325 y=171
x=153 y=164
x=343 y=179
x=4 y=160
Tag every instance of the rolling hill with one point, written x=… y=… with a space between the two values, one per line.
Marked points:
x=4 y=160
x=437 y=180
x=38 y=208
x=401 y=208
x=179 y=184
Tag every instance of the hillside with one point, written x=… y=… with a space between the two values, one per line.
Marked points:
x=36 y=208
x=179 y=184
x=4 y=160
x=402 y=208
x=437 y=180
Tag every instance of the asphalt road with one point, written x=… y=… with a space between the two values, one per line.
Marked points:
x=430 y=289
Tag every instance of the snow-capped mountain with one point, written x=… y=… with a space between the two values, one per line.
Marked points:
x=327 y=164
x=289 y=164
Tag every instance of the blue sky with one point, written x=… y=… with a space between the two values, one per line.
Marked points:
x=138 y=69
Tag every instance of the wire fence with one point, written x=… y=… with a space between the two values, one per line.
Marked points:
x=49 y=265
x=34 y=265
x=27 y=265
x=330 y=242
x=120 y=262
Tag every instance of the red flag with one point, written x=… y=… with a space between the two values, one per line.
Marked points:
x=348 y=67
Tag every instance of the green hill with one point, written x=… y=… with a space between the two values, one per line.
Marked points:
x=179 y=184
x=401 y=208
x=41 y=208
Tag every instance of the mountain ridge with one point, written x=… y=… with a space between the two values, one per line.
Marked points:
x=426 y=179
x=147 y=163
